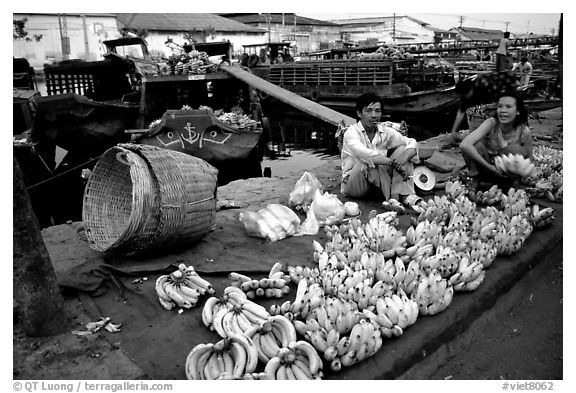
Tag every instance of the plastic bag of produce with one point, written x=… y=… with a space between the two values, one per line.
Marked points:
x=327 y=208
x=303 y=192
x=310 y=226
x=274 y=222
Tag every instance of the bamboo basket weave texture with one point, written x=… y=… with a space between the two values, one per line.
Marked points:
x=142 y=197
x=120 y=202
x=187 y=187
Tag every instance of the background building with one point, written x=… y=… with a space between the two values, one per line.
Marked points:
x=305 y=34
x=64 y=36
x=179 y=27
x=386 y=30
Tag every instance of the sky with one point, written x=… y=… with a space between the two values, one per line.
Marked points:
x=537 y=23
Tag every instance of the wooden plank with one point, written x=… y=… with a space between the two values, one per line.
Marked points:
x=307 y=106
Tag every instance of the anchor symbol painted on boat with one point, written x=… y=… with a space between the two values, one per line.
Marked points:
x=188 y=136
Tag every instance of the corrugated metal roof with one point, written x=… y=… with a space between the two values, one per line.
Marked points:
x=376 y=20
x=182 y=22
x=476 y=34
x=277 y=18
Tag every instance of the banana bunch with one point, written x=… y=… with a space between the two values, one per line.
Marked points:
x=454 y=189
x=486 y=224
x=365 y=340
x=547 y=159
x=275 y=285
x=458 y=221
x=411 y=276
x=234 y=315
x=433 y=294
x=484 y=252
x=297 y=273
x=308 y=297
x=445 y=262
x=457 y=240
x=463 y=205
x=236 y=356
x=469 y=275
x=391 y=273
x=436 y=209
x=334 y=314
x=181 y=288
x=513 y=236
x=488 y=198
x=515 y=164
x=393 y=314
x=541 y=218
x=272 y=335
x=515 y=202
x=339 y=281
x=299 y=361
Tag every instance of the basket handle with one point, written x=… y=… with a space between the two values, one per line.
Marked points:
x=121 y=157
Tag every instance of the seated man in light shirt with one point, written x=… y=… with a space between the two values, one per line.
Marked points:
x=372 y=151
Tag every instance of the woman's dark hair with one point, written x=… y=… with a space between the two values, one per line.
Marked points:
x=522 y=117
x=366 y=99
x=507 y=34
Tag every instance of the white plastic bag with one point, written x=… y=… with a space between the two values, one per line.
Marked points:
x=304 y=190
x=327 y=208
x=310 y=226
x=274 y=222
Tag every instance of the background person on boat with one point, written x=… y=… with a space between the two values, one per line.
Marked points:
x=524 y=68
x=502 y=53
x=477 y=90
x=506 y=132
x=371 y=154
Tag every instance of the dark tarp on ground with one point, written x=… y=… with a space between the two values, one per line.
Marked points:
x=158 y=340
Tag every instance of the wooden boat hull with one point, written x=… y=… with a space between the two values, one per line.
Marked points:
x=537 y=105
x=442 y=100
x=80 y=125
x=198 y=133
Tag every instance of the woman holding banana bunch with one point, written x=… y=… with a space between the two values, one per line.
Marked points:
x=506 y=132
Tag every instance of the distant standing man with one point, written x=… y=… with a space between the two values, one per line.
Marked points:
x=525 y=70
x=502 y=53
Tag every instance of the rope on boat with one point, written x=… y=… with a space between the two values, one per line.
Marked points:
x=63 y=173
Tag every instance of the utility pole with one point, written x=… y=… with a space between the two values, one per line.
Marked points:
x=507 y=23
x=268 y=17
x=64 y=39
x=394 y=28
x=86 y=47
x=461 y=21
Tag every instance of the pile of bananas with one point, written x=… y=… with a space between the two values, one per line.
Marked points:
x=181 y=288
x=271 y=336
x=436 y=209
x=515 y=164
x=275 y=285
x=454 y=189
x=230 y=358
x=541 y=218
x=299 y=361
x=232 y=314
x=236 y=120
x=487 y=198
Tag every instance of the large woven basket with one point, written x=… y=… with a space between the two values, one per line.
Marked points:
x=141 y=197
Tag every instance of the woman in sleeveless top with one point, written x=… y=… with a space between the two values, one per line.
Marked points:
x=506 y=132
